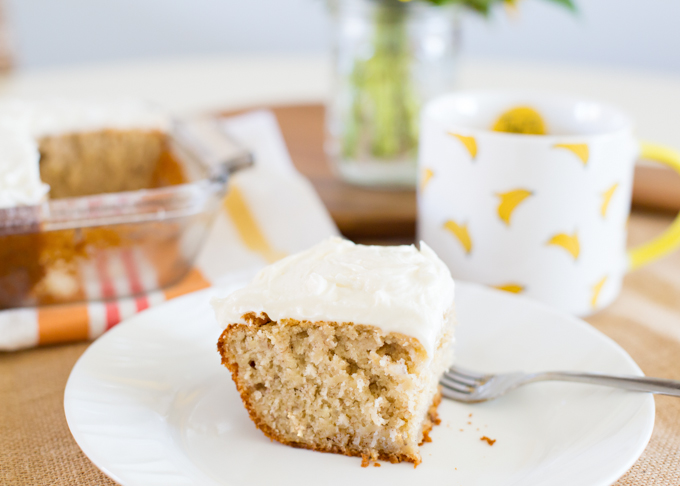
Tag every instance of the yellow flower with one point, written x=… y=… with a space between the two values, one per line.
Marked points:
x=522 y=119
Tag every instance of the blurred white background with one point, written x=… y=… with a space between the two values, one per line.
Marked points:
x=638 y=34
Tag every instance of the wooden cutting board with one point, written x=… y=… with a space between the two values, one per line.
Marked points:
x=379 y=214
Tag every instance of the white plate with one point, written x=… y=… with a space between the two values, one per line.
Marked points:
x=150 y=404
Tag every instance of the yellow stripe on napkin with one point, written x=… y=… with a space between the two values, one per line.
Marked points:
x=248 y=229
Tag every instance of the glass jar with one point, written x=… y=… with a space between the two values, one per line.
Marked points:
x=390 y=58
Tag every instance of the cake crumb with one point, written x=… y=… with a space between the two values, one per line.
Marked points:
x=365 y=460
x=469 y=415
x=461 y=430
x=376 y=464
x=488 y=441
x=469 y=423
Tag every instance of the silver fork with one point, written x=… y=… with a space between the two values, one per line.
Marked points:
x=469 y=386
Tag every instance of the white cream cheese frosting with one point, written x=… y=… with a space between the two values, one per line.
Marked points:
x=24 y=122
x=20 y=182
x=396 y=288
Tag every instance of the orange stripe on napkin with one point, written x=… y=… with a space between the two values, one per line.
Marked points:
x=248 y=230
x=192 y=282
x=67 y=323
x=62 y=323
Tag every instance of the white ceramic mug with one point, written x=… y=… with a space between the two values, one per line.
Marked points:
x=542 y=215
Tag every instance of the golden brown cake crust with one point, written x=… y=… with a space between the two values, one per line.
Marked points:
x=431 y=419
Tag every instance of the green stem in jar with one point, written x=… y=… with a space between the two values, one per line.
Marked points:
x=383 y=119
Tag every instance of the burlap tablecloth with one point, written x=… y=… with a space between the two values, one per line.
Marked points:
x=37 y=447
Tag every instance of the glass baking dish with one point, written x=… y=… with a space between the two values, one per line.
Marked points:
x=115 y=245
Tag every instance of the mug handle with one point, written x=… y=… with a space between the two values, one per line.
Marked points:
x=669 y=240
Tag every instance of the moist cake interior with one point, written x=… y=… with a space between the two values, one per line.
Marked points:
x=342 y=388
x=83 y=164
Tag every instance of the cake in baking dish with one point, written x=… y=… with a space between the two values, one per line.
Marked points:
x=68 y=148
x=57 y=148
x=340 y=348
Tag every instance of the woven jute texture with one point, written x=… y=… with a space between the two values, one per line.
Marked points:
x=37 y=449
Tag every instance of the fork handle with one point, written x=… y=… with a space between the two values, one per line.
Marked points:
x=634 y=383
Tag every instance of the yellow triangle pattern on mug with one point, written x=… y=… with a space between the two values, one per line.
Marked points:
x=568 y=242
x=581 y=150
x=513 y=288
x=597 y=288
x=607 y=196
x=425 y=178
x=469 y=142
x=461 y=233
x=509 y=202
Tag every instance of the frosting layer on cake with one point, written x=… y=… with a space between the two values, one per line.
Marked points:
x=60 y=116
x=397 y=288
x=19 y=172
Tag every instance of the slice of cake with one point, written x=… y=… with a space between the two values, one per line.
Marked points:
x=340 y=348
